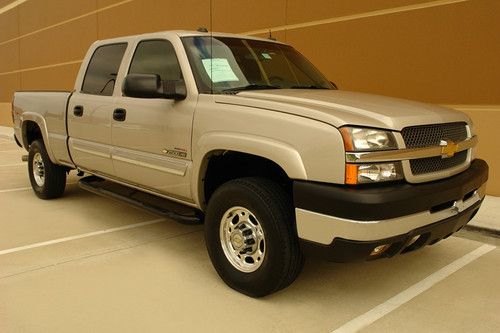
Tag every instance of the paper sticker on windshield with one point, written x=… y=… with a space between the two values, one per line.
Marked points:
x=219 y=70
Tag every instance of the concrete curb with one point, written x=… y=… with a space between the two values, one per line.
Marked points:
x=6 y=132
x=483 y=230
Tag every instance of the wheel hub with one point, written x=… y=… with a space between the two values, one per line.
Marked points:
x=242 y=239
x=237 y=240
x=38 y=169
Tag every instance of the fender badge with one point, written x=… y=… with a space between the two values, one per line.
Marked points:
x=448 y=148
x=174 y=153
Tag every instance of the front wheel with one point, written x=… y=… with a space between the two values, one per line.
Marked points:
x=48 y=180
x=251 y=238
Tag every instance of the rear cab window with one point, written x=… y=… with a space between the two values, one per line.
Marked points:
x=102 y=70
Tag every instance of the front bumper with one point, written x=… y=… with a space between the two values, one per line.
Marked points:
x=348 y=223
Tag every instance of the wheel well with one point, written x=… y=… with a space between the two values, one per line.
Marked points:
x=228 y=165
x=31 y=132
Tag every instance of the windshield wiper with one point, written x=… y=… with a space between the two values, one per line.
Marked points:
x=309 y=87
x=251 y=87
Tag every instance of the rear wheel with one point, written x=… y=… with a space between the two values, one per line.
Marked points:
x=48 y=180
x=251 y=238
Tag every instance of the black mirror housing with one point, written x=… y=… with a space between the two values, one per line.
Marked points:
x=174 y=89
x=151 y=86
x=142 y=86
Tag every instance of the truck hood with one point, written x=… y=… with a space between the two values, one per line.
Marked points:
x=339 y=108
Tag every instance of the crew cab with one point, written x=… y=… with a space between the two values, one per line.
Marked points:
x=246 y=136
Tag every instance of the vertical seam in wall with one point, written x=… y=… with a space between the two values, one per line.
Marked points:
x=19 y=46
x=97 y=19
x=286 y=19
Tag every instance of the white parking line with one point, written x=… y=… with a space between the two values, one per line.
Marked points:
x=15 y=189
x=11 y=165
x=18 y=150
x=25 y=188
x=405 y=296
x=70 y=238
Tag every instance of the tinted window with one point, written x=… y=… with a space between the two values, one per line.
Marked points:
x=156 y=57
x=102 y=70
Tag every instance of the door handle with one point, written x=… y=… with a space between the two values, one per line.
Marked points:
x=119 y=114
x=78 y=111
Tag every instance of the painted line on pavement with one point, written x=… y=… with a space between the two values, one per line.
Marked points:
x=86 y=235
x=11 y=165
x=24 y=188
x=18 y=150
x=405 y=296
x=15 y=189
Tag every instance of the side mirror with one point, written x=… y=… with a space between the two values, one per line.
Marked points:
x=151 y=86
x=174 y=89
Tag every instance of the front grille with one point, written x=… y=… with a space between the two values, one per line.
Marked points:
x=434 y=164
x=431 y=135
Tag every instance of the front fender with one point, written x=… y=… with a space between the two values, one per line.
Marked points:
x=281 y=153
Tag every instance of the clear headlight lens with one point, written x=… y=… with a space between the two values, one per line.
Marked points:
x=372 y=173
x=367 y=139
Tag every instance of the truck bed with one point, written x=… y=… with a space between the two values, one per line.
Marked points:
x=47 y=107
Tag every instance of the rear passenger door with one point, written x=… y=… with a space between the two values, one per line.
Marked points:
x=152 y=144
x=90 y=110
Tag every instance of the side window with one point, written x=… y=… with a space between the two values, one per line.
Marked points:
x=102 y=69
x=156 y=57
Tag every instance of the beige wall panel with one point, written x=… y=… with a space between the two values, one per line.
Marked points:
x=5 y=114
x=280 y=36
x=4 y=3
x=149 y=16
x=55 y=78
x=8 y=25
x=486 y=124
x=38 y=14
x=9 y=56
x=428 y=55
x=8 y=84
x=242 y=15
x=300 y=11
x=60 y=44
x=105 y=3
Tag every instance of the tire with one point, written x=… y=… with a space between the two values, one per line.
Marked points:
x=251 y=236
x=48 y=180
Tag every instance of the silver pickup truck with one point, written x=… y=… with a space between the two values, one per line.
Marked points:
x=247 y=136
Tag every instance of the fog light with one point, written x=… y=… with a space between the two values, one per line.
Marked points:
x=380 y=249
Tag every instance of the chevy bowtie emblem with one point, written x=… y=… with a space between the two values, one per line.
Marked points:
x=448 y=148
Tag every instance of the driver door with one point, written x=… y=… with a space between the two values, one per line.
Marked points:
x=152 y=137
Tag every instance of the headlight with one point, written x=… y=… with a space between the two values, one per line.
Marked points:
x=372 y=173
x=367 y=139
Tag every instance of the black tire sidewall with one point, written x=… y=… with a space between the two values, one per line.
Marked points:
x=54 y=178
x=277 y=236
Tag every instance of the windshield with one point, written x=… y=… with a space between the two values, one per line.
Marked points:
x=224 y=64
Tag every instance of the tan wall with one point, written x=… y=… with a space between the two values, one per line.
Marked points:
x=443 y=52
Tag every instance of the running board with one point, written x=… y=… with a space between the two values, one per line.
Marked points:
x=146 y=201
